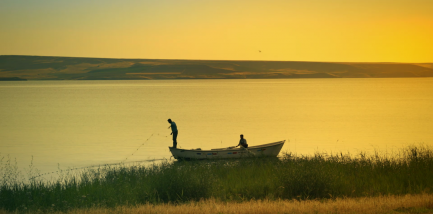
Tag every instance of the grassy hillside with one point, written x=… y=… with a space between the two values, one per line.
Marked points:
x=74 y=68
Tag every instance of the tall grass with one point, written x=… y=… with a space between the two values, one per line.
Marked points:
x=290 y=177
x=419 y=203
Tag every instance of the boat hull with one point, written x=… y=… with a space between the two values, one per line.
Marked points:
x=265 y=150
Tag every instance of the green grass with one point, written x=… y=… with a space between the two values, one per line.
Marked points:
x=288 y=177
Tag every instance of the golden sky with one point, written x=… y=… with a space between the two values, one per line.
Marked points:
x=308 y=30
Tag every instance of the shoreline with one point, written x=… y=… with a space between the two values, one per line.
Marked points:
x=78 y=68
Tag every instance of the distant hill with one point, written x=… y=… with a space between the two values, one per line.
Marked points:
x=75 y=68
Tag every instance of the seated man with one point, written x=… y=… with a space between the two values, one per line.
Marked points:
x=243 y=142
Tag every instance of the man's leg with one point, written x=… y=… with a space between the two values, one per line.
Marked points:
x=175 y=139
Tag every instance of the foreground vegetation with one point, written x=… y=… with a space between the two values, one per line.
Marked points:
x=320 y=177
x=422 y=203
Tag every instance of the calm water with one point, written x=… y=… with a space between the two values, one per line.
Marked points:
x=83 y=123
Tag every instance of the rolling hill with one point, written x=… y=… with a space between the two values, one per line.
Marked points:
x=75 y=68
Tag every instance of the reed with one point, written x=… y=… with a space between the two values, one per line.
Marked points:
x=290 y=177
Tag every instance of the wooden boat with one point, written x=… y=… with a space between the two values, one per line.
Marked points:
x=264 y=150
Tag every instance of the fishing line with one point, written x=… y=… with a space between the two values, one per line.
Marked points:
x=137 y=148
x=87 y=167
x=104 y=165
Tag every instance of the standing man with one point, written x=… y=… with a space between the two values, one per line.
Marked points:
x=174 y=132
x=243 y=142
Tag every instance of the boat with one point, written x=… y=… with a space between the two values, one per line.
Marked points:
x=264 y=150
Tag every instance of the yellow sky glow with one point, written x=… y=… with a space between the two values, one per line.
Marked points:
x=311 y=30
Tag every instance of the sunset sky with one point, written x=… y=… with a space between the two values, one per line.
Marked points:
x=309 y=30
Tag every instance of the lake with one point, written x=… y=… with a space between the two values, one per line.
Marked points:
x=84 y=123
